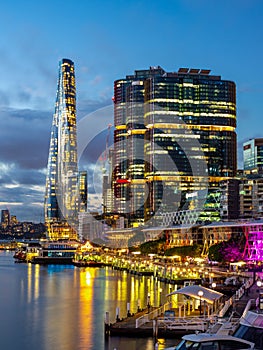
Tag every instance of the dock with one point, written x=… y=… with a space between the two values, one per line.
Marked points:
x=153 y=322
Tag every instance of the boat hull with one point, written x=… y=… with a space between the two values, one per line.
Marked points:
x=52 y=260
x=88 y=263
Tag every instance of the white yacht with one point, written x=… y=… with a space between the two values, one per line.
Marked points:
x=251 y=327
x=206 y=341
x=247 y=335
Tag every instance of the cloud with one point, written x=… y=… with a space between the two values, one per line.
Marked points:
x=22 y=201
x=86 y=106
x=97 y=80
x=94 y=203
x=4 y=98
x=24 y=144
x=24 y=137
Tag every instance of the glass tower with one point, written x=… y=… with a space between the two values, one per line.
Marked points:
x=61 y=198
x=175 y=141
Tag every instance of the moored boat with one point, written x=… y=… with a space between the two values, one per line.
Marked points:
x=251 y=324
x=248 y=334
x=26 y=252
x=87 y=259
x=208 y=341
x=60 y=252
x=88 y=263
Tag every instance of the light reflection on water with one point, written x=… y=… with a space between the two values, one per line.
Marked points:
x=63 y=307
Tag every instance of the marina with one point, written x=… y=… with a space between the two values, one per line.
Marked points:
x=239 y=325
x=168 y=322
x=63 y=307
x=179 y=299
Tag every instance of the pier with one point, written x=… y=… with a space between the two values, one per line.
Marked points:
x=170 y=323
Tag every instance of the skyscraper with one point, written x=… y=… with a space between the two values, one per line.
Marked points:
x=174 y=142
x=61 y=198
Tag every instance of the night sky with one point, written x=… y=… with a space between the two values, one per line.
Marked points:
x=107 y=40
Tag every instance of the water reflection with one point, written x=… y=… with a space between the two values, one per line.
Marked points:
x=63 y=307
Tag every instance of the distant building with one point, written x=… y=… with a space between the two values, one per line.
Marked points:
x=5 y=218
x=90 y=228
x=229 y=199
x=251 y=198
x=107 y=190
x=83 y=190
x=253 y=156
x=13 y=220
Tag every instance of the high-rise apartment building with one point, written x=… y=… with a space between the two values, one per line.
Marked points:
x=174 y=142
x=253 y=156
x=63 y=182
x=251 y=198
x=5 y=218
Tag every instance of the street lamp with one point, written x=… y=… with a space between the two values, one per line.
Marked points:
x=200 y=293
x=259 y=285
x=160 y=290
x=148 y=302
x=213 y=285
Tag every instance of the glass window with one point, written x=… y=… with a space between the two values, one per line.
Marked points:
x=232 y=345
x=209 y=346
x=185 y=345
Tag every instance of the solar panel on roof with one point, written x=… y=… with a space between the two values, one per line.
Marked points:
x=194 y=71
x=183 y=70
x=205 y=71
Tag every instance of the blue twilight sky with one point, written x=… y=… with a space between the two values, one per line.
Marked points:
x=108 y=39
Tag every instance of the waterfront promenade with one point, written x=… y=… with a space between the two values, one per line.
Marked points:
x=154 y=323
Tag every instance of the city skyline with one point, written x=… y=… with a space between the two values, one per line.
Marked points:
x=105 y=44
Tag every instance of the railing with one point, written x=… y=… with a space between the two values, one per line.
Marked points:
x=226 y=306
x=188 y=322
x=185 y=323
x=151 y=315
x=248 y=307
x=239 y=293
x=159 y=311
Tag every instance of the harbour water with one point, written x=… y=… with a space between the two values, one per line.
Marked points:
x=63 y=307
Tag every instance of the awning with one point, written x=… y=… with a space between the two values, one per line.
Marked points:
x=209 y=295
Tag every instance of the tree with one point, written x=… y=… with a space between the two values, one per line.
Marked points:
x=229 y=251
x=190 y=250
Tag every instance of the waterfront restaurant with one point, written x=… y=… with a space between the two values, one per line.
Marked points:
x=208 y=235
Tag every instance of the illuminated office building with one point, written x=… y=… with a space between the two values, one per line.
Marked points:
x=174 y=141
x=61 y=199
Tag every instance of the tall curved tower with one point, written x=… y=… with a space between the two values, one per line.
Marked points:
x=61 y=198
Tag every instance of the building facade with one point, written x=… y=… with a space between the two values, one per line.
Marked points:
x=229 y=200
x=174 y=142
x=62 y=200
x=5 y=218
x=253 y=156
x=251 y=198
